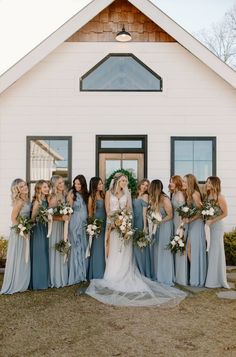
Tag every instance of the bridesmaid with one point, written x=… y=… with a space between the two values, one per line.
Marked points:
x=216 y=274
x=78 y=199
x=178 y=199
x=39 y=243
x=96 y=208
x=196 y=243
x=163 y=263
x=58 y=268
x=17 y=272
x=140 y=204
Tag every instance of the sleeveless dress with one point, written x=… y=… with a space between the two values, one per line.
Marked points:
x=17 y=271
x=216 y=272
x=181 y=260
x=163 y=262
x=78 y=240
x=142 y=256
x=123 y=284
x=197 y=239
x=58 y=268
x=97 y=254
x=39 y=255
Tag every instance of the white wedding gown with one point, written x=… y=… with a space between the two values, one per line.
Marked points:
x=123 y=285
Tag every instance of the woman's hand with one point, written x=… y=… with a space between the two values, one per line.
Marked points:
x=66 y=217
x=208 y=222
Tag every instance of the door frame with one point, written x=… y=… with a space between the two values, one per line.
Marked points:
x=143 y=149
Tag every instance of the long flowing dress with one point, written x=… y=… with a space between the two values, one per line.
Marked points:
x=97 y=254
x=78 y=240
x=57 y=264
x=123 y=284
x=197 y=239
x=163 y=262
x=39 y=255
x=216 y=273
x=17 y=271
x=181 y=260
x=142 y=256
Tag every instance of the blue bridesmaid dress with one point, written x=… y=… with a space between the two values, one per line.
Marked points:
x=17 y=271
x=216 y=273
x=142 y=256
x=163 y=262
x=58 y=267
x=78 y=239
x=197 y=239
x=97 y=253
x=181 y=260
x=39 y=255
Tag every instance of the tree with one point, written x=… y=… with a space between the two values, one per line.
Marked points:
x=221 y=38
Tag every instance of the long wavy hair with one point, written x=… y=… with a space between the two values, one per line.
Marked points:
x=84 y=188
x=54 y=192
x=140 y=184
x=115 y=181
x=192 y=185
x=156 y=193
x=178 y=182
x=216 y=186
x=38 y=190
x=15 y=191
x=93 y=187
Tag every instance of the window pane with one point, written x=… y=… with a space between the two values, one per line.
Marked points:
x=47 y=158
x=121 y=73
x=111 y=144
x=131 y=166
x=183 y=150
x=111 y=166
x=202 y=150
x=202 y=169
x=183 y=167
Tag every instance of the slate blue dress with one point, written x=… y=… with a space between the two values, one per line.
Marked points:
x=97 y=253
x=39 y=255
x=17 y=271
x=58 y=267
x=163 y=262
x=142 y=256
x=78 y=239
x=181 y=260
x=197 y=239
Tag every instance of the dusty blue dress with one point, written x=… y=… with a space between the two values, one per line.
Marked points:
x=197 y=239
x=216 y=273
x=142 y=256
x=163 y=262
x=97 y=254
x=181 y=260
x=77 y=238
x=39 y=255
x=58 y=267
x=17 y=271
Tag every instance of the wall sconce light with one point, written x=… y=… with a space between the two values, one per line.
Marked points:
x=123 y=35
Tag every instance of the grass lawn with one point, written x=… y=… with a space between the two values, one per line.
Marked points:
x=57 y=322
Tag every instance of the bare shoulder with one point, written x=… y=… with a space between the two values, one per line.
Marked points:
x=145 y=197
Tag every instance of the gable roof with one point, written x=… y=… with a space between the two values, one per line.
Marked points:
x=89 y=12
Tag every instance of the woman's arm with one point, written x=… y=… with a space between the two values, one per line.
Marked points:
x=90 y=207
x=34 y=210
x=107 y=202
x=168 y=208
x=145 y=198
x=15 y=211
x=198 y=204
x=52 y=202
x=224 y=209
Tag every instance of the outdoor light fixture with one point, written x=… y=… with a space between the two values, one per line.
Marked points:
x=123 y=36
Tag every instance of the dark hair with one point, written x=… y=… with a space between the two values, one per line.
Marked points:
x=84 y=189
x=156 y=187
x=93 y=186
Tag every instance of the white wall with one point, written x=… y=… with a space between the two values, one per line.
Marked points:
x=47 y=101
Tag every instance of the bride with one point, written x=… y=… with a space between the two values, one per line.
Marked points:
x=122 y=283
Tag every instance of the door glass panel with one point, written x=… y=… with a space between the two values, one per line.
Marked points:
x=131 y=166
x=111 y=166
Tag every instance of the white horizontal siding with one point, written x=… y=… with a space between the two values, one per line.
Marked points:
x=47 y=101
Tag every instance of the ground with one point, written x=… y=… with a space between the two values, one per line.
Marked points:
x=57 y=322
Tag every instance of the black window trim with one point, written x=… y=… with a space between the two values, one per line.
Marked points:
x=192 y=138
x=121 y=90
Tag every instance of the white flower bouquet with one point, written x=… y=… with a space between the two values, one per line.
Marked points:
x=62 y=210
x=23 y=227
x=93 y=229
x=154 y=219
x=121 y=220
x=185 y=211
x=141 y=239
x=177 y=244
x=44 y=215
x=64 y=248
x=209 y=210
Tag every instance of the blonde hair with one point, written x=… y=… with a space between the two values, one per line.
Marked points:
x=115 y=181
x=54 y=181
x=15 y=191
x=140 y=184
x=216 y=186
x=37 y=190
x=192 y=185
x=156 y=194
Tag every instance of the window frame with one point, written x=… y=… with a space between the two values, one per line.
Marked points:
x=121 y=90
x=30 y=138
x=143 y=149
x=192 y=138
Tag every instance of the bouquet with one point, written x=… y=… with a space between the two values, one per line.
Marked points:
x=63 y=248
x=122 y=222
x=154 y=218
x=23 y=227
x=61 y=210
x=44 y=214
x=141 y=239
x=176 y=244
x=185 y=211
x=209 y=210
x=94 y=228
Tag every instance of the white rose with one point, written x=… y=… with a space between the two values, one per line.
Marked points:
x=176 y=238
x=203 y=212
x=185 y=209
x=61 y=211
x=211 y=211
x=173 y=243
x=181 y=244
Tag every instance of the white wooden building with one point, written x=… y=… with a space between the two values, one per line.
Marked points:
x=160 y=104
